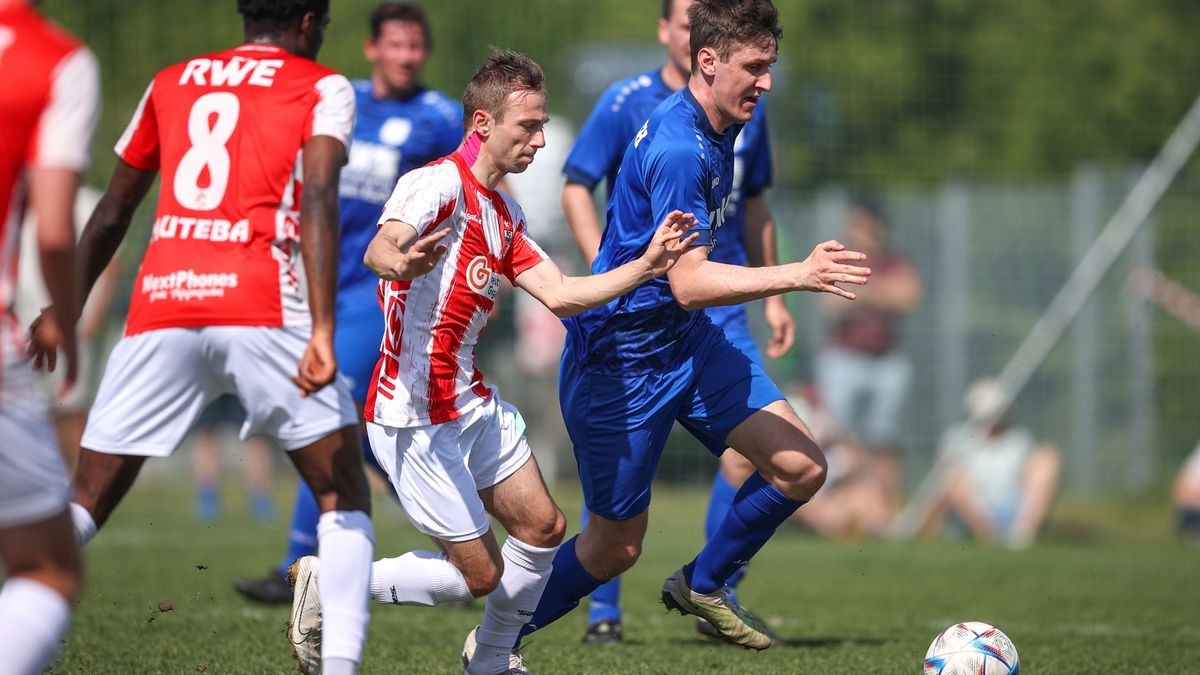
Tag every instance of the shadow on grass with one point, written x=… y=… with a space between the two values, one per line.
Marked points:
x=788 y=643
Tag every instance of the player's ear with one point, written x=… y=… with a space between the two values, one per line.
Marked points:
x=706 y=60
x=481 y=123
x=371 y=50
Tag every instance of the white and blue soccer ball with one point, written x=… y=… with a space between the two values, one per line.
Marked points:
x=972 y=648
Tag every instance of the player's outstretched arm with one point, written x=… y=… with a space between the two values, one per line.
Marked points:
x=396 y=254
x=568 y=296
x=101 y=237
x=698 y=282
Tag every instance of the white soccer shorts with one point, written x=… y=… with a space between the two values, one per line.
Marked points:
x=33 y=478
x=439 y=469
x=157 y=383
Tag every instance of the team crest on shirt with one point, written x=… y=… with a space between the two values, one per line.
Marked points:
x=481 y=279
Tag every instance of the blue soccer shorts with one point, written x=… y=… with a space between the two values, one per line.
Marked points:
x=619 y=418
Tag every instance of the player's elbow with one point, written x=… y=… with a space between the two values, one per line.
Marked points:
x=686 y=296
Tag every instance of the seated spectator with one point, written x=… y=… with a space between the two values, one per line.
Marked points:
x=852 y=503
x=1001 y=481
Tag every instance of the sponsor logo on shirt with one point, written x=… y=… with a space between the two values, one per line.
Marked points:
x=481 y=279
x=186 y=285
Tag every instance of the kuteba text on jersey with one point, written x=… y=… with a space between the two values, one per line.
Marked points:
x=426 y=372
x=227 y=132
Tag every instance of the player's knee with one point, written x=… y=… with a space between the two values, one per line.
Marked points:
x=623 y=557
x=799 y=475
x=550 y=531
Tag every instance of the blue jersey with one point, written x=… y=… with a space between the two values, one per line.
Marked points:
x=391 y=138
x=614 y=121
x=677 y=161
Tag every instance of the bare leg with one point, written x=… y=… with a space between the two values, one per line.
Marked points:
x=1042 y=471
x=102 y=480
x=44 y=576
x=333 y=468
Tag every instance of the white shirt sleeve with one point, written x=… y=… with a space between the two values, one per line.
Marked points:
x=334 y=114
x=69 y=119
x=423 y=197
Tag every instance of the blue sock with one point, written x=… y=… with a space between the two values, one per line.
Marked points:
x=208 y=502
x=569 y=583
x=604 y=604
x=302 y=538
x=262 y=507
x=758 y=509
x=720 y=500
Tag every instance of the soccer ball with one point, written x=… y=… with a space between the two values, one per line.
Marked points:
x=972 y=648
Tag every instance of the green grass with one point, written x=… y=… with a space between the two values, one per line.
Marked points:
x=1110 y=592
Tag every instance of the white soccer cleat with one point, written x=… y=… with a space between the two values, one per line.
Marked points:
x=726 y=617
x=304 y=626
x=516 y=662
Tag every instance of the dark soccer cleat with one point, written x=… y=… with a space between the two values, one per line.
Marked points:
x=272 y=589
x=604 y=632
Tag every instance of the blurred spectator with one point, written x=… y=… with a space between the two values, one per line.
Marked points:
x=862 y=374
x=1186 y=495
x=208 y=442
x=1184 y=304
x=68 y=411
x=1001 y=482
x=851 y=504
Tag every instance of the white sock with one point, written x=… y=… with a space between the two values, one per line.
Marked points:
x=417 y=578
x=85 y=525
x=510 y=606
x=33 y=619
x=345 y=541
x=332 y=666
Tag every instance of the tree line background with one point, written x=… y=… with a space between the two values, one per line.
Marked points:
x=870 y=94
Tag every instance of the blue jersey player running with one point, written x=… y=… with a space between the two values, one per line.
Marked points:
x=746 y=237
x=638 y=364
x=400 y=125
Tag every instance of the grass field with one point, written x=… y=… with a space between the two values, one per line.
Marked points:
x=1109 y=592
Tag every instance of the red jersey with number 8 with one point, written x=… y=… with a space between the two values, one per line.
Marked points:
x=226 y=130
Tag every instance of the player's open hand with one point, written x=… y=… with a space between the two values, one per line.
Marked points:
x=829 y=265
x=318 y=365
x=670 y=241
x=46 y=340
x=422 y=255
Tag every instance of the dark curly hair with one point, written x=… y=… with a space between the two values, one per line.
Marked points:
x=271 y=15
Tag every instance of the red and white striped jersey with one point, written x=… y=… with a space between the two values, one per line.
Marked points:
x=426 y=372
x=49 y=104
x=227 y=130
